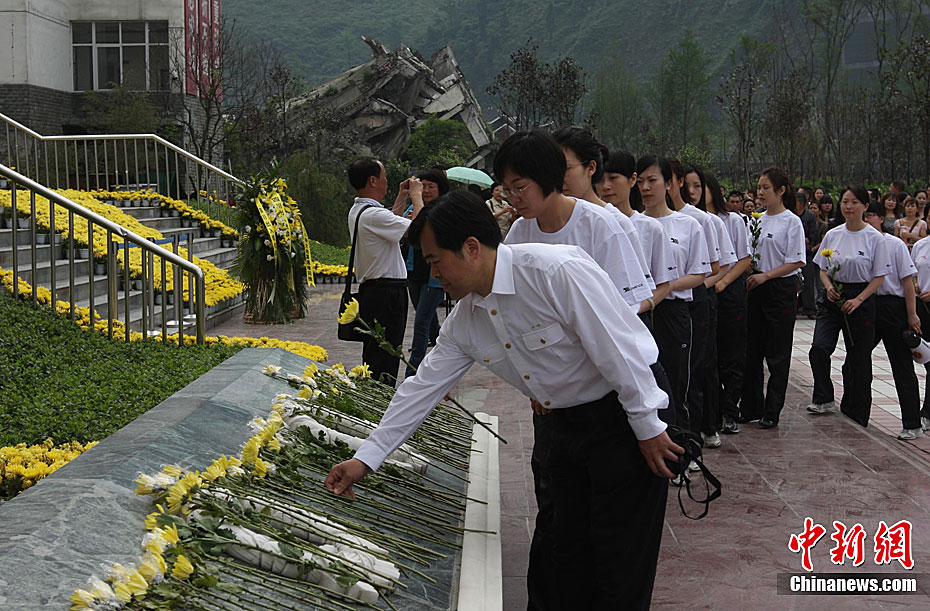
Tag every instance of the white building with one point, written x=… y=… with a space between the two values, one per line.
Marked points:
x=51 y=51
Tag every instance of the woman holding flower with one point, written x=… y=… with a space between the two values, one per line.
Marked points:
x=778 y=255
x=853 y=264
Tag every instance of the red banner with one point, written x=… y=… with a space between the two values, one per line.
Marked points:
x=202 y=45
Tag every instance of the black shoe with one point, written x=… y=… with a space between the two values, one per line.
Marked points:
x=730 y=427
x=745 y=419
x=767 y=424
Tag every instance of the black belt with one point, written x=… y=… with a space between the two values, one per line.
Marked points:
x=385 y=282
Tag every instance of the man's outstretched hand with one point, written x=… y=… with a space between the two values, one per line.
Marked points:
x=342 y=476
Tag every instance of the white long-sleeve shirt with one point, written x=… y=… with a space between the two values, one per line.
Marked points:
x=553 y=327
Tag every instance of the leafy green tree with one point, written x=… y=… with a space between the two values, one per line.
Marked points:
x=324 y=197
x=680 y=95
x=439 y=142
x=618 y=105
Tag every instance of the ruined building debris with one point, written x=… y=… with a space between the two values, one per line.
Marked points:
x=388 y=96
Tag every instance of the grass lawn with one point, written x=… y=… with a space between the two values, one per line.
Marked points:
x=59 y=381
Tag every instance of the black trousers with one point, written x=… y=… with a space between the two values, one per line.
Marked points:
x=771 y=309
x=540 y=575
x=671 y=328
x=699 y=309
x=809 y=290
x=383 y=300
x=731 y=345
x=858 y=331
x=608 y=510
x=890 y=324
x=710 y=421
x=923 y=311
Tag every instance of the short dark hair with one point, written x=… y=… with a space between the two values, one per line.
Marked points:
x=455 y=217
x=535 y=155
x=924 y=191
x=620 y=162
x=438 y=177
x=738 y=194
x=899 y=184
x=585 y=146
x=808 y=192
x=361 y=170
x=859 y=191
x=873 y=207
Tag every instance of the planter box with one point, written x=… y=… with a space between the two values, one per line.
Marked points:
x=23 y=222
x=82 y=253
x=100 y=269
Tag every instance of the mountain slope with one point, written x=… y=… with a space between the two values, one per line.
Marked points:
x=321 y=38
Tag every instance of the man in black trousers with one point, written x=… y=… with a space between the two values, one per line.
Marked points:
x=379 y=266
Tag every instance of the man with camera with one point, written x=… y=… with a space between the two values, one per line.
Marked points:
x=379 y=267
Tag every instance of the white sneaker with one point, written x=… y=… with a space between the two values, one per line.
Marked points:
x=925 y=423
x=711 y=441
x=693 y=467
x=908 y=434
x=822 y=408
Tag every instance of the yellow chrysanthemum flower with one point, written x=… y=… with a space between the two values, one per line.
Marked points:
x=757 y=215
x=81 y=599
x=826 y=252
x=350 y=313
x=171 y=534
x=182 y=568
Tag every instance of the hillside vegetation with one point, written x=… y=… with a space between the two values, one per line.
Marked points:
x=321 y=39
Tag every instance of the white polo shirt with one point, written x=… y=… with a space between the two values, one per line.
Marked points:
x=688 y=247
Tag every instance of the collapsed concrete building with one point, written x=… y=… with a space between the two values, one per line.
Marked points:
x=387 y=97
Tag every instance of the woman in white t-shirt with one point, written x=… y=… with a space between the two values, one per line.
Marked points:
x=671 y=321
x=772 y=300
x=730 y=291
x=895 y=312
x=853 y=262
x=920 y=253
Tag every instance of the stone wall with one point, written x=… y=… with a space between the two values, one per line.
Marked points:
x=44 y=110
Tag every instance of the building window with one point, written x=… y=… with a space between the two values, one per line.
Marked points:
x=107 y=53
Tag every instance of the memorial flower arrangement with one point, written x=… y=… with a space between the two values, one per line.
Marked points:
x=274 y=254
x=82 y=317
x=755 y=230
x=21 y=466
x=260 y=531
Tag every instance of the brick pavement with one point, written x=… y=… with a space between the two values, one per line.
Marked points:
x=824 y=467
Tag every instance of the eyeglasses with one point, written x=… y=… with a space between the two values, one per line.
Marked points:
x=516 y=192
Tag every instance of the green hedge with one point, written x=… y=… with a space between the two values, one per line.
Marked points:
x=329 y=255
x=59 y=381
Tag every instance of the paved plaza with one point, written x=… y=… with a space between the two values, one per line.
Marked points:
x=820 y=466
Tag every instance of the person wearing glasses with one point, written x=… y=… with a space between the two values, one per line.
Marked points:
x=853 y=264
x=534 y=171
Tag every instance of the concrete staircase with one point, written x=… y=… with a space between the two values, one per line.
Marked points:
x=50 y=256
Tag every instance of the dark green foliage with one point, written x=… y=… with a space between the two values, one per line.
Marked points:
x=62 y=382
x=324 y=195
x=439 y=142
x=329 y=255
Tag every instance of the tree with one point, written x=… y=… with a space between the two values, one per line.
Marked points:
x=120 y=111
x=680 y=96
x=532 y=94
x=787 y=111
x=439 y=142
x=618 y=105
x=915 y=89
x=742 y=89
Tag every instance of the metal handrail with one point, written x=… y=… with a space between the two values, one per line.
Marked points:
x=30 y=155
x=197 y=294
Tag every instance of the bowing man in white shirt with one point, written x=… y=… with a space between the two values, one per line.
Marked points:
x=548 y=320
x=379 y=266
